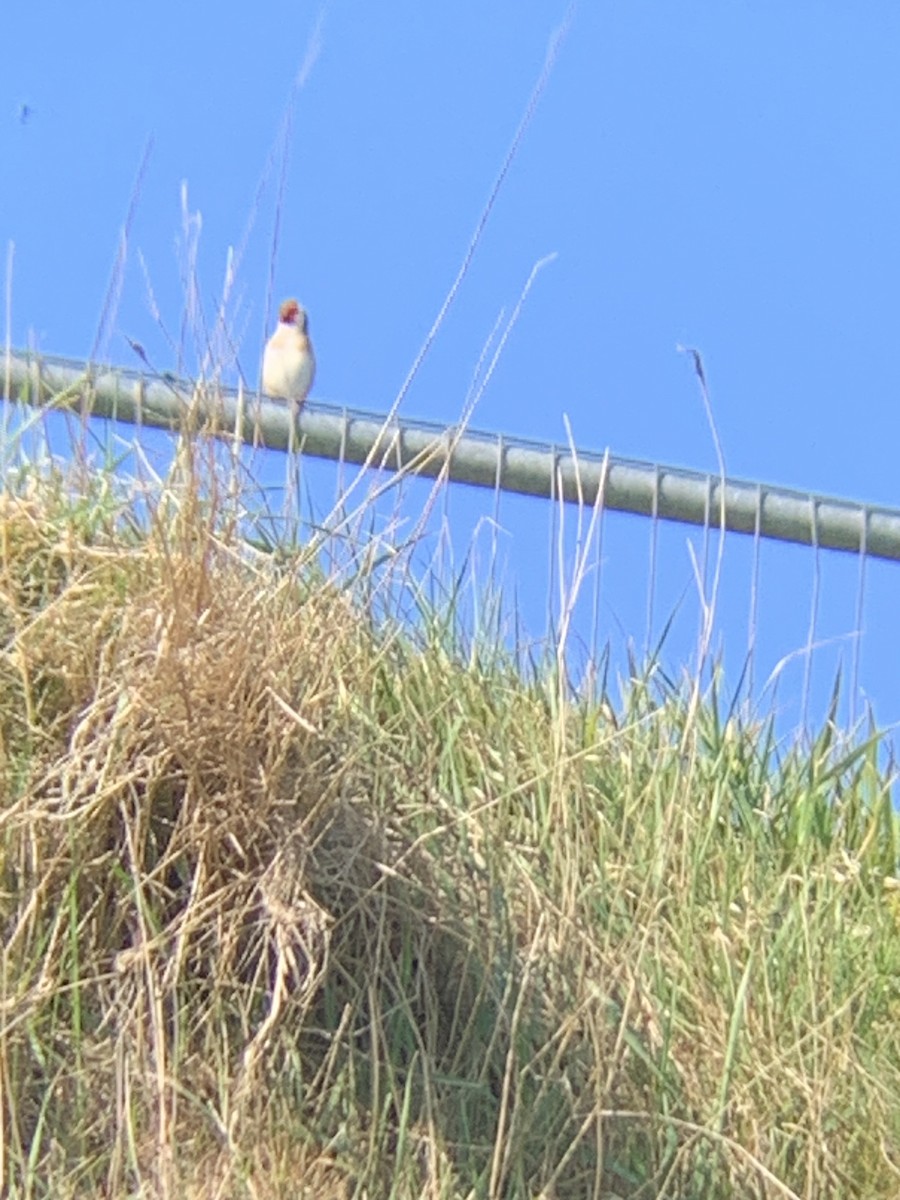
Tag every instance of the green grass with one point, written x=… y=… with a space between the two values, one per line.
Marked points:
x=300 y=903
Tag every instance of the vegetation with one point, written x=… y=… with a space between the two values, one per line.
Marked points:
x=298 y=901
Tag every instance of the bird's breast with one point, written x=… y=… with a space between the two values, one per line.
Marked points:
x=288 y=371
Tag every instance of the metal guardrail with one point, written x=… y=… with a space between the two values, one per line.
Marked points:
x=468 y=456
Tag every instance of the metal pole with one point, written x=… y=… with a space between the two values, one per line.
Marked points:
x=480 y=459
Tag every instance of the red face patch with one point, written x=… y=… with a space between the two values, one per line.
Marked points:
x=289 y=311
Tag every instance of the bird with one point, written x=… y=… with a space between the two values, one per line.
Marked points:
x=289 y=364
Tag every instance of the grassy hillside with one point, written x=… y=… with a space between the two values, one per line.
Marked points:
x=296 y=903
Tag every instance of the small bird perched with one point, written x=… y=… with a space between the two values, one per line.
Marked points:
x=289 y=365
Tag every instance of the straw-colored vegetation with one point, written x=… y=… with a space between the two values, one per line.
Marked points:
x=294 y=903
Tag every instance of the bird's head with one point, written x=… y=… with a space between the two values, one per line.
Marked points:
x=291 y=313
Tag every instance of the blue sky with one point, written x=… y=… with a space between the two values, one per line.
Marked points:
x=724 y=175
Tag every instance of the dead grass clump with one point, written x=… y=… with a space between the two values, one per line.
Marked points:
x=200 y=840
x=165 y=725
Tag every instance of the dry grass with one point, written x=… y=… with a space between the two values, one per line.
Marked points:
x=294 y=905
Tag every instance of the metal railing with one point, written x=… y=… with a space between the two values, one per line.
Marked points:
x=487 y=460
